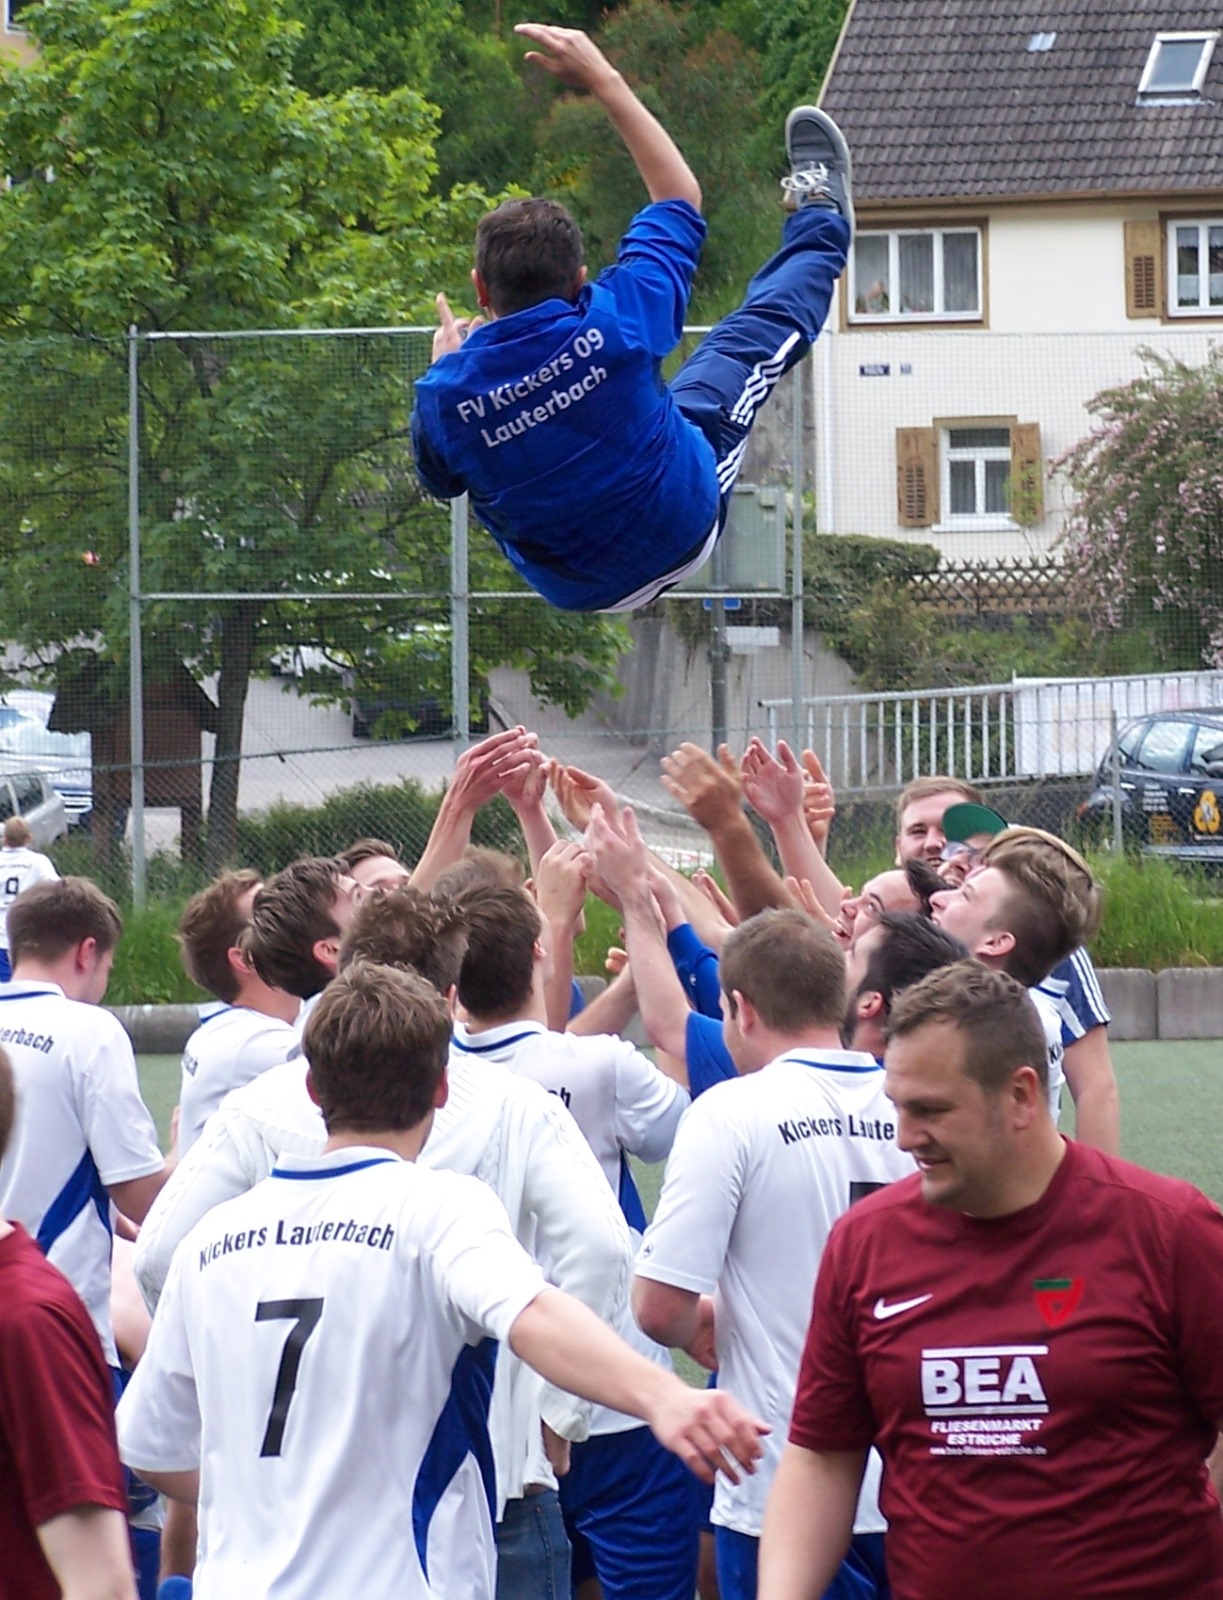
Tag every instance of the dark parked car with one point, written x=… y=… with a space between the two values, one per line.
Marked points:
x=410 y=715
x=405 y=692
x=1171 y=786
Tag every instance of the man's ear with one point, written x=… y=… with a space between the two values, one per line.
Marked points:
x=481 y=288
x=238 y=963
x=580 y=281
x=868 y=1005
x=442 y=1093
x=327 y=953
x=1027 y=1096
x=998 y=943
x=85 y=957
x=310 y=1089
x=746 y=1014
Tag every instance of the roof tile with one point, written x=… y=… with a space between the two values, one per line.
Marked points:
x=942 y=99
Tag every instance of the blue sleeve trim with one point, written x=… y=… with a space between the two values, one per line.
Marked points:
x=630 y=1199
x=461 y=1430
x=83 y=1188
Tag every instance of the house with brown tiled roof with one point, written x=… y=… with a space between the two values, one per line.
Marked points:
x=1039 y=191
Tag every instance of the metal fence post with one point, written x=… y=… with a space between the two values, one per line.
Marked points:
x=1115 y=765
x=796 y=567
x=135 y=642
x=460 y=643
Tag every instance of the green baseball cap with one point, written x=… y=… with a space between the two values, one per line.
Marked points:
x=965 y=821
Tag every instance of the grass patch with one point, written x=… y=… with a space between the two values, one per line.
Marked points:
x=148 y=969
x=1157 y=915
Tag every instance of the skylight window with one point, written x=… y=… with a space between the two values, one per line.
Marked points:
x=1176 y=66
x=1040 y=42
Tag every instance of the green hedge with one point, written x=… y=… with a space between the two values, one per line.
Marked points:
x=401 y=813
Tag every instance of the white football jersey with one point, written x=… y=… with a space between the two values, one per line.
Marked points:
x=1051 y=1022
x=518 y=1140
x=624 y=1106
x=615 y=1094
x=763 y=1165
x=229 y=1048
x=20 y=869
x=327 y=1342
x=81 y=1126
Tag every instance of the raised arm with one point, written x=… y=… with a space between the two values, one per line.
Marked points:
x=775 y=786
x=574 y=58
x=560 y=893
x=478 y=775
x=709 y=791
x=623 y=860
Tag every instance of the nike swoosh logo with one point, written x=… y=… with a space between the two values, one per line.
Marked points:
x=884 y=1311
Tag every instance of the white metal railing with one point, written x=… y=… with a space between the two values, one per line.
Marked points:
x=1028 y=728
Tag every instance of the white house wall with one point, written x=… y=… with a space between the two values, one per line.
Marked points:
x=1058 y=336
x=1061 y=269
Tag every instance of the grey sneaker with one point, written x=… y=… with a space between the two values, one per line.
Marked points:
x=820 y=168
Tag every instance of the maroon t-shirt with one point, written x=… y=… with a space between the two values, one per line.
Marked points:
x=57 y=1414
x=1043 y=1387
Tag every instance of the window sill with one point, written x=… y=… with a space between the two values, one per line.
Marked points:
x=917 y=319
x=977 y=525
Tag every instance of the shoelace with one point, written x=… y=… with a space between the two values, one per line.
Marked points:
x=807 y=180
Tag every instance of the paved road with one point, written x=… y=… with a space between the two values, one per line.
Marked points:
x=299 y=752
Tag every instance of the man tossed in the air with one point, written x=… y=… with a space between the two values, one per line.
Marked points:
x=603 y=485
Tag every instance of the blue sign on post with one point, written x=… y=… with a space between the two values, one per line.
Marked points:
x=730 y=603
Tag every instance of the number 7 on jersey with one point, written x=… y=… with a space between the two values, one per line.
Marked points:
x=304 y=1315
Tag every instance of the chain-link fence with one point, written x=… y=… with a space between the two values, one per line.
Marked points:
x=262 y=638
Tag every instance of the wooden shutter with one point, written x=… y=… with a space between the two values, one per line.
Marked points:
x=916 y=477
x=1027 y=474
x=1143 y=269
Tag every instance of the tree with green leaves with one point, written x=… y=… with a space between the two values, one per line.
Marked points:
x=1143 y=545
x=692 y=74
x=175 y=179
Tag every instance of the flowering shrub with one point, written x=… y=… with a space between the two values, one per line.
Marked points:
x=1143 y=545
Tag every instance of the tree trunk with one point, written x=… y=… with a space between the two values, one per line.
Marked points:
x=238 y=627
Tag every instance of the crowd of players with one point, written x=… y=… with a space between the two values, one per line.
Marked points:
x=402 y=1327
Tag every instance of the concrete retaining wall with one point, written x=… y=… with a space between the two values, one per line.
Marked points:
x=1178 y=1003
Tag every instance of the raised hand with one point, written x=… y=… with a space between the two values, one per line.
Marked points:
x=481 y=771
x=560 y=883
x=568 y=54
x=578 y=792
x=707 y=789
x=819 y=800
x=772 y=785
x=451 y=330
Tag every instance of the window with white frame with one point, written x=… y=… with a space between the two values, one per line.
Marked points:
x=1176 y=66
x=1195 y=268
x=977 y=474
x=12 y=15
x=916 y=274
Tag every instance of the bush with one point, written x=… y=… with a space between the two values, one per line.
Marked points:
x=401 y=813
x=1157 y=915
x=148 y=969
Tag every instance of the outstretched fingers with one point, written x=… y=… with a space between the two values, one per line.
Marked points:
x=721 y=1437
